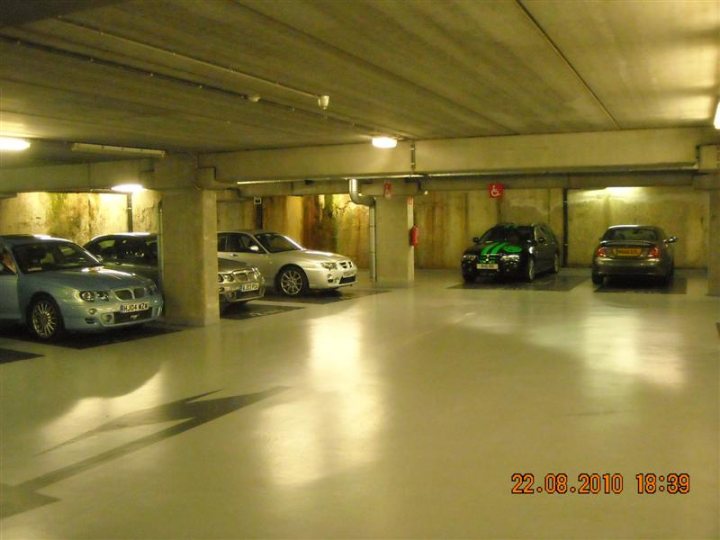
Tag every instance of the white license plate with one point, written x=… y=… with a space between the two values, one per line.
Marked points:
x=487 y=266
x=132 y=308
x=349 y=274
x=250 y=287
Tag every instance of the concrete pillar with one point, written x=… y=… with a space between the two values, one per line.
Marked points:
x=189 y=247
x=714 y=244
x=395 y=256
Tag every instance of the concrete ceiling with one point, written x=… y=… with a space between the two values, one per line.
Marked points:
x=222 y=75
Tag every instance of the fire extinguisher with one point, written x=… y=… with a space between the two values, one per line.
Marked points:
x=414 y=236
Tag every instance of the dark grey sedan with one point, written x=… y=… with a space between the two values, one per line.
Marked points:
x=634 y=250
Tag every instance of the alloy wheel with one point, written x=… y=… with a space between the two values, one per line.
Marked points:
x=45 y=319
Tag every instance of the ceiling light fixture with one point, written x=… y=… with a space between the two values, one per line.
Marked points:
x=717 y=116
x=116 y=150
x=128 y=188
x=13 y=144
x=384 y=142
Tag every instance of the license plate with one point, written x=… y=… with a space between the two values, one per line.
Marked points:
x=250 y=287
x=487 y=266
x=132 y=308
x=628 y=252
x=349 y=274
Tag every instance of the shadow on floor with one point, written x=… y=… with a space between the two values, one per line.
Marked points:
x=82 y=341
x=252 y=310
x=8 y=355
x=547 y=282
x=324 y=297
x=640 y=285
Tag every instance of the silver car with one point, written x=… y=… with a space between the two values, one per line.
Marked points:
x=289 y=267
x=137 y=253
x=52 y=285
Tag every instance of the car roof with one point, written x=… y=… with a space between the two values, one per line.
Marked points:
x=250 y=231
x=124 y=235
x=633 y=227
x=20 y=239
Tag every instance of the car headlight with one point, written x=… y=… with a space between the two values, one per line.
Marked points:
x=93 y=296
x=329 y=265
x=469 y=257
x=510 y=258
x=153 y=289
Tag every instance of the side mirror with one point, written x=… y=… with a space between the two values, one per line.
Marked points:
x=476 y=239
x=98 y=257
x=254 y=249
x=671 y=240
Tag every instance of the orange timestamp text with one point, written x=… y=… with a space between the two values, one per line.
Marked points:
x=586 y=483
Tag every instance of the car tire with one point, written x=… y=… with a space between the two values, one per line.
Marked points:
x=468 y=278
x=597 y=279
x=292 y=281
x=45 y=319
x=556 y=264
x=530 y=269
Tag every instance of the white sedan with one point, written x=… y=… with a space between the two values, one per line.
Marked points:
x=292 y=269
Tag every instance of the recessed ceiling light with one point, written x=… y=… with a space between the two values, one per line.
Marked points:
x=128 y=188
x=384 y=142
x=13 y=144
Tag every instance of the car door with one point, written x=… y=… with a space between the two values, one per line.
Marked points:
x=544 y=249
x=244 y=248
x=9 y=303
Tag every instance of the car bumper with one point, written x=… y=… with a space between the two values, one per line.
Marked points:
x=240 y=292
x=320 y=278
x=99 y=316
x=645 y=267
x=504 y=268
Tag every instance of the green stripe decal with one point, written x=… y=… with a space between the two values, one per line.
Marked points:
x=497 y=248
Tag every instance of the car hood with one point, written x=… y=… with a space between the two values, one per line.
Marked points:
x=227 y=265
x=494 y=248
x=309 y=255
x=95 y=278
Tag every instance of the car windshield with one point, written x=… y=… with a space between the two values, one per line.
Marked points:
x=506 y=233
x=46 y=256
x=631 y=233
x=275 y=243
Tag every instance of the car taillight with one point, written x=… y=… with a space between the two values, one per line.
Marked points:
x=653 y=253
x=601 y=252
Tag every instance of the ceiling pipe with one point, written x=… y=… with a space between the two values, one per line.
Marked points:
x=369 y=201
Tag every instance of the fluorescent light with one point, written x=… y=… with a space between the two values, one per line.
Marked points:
x=717 y=116
x=384 y=142
x=128 y=188
x=12 y=144
x=116 y=150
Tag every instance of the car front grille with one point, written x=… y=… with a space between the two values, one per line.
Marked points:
x=134 y=316
x=131 y=294
x=242 y=276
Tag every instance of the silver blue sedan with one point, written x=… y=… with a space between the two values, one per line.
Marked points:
x=52 y=285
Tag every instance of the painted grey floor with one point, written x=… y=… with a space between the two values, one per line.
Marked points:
x=397 y=415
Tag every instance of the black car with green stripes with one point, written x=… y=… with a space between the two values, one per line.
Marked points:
x=509 y=249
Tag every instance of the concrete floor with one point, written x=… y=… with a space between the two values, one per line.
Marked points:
x=403 y=414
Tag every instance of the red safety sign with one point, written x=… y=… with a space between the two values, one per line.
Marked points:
x=495 y=190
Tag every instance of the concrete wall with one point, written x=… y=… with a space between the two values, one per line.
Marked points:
x=447 y=220
x=77 y=216
x=682 y=212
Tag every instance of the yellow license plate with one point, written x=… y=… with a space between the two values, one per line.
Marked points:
x=628 y=252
